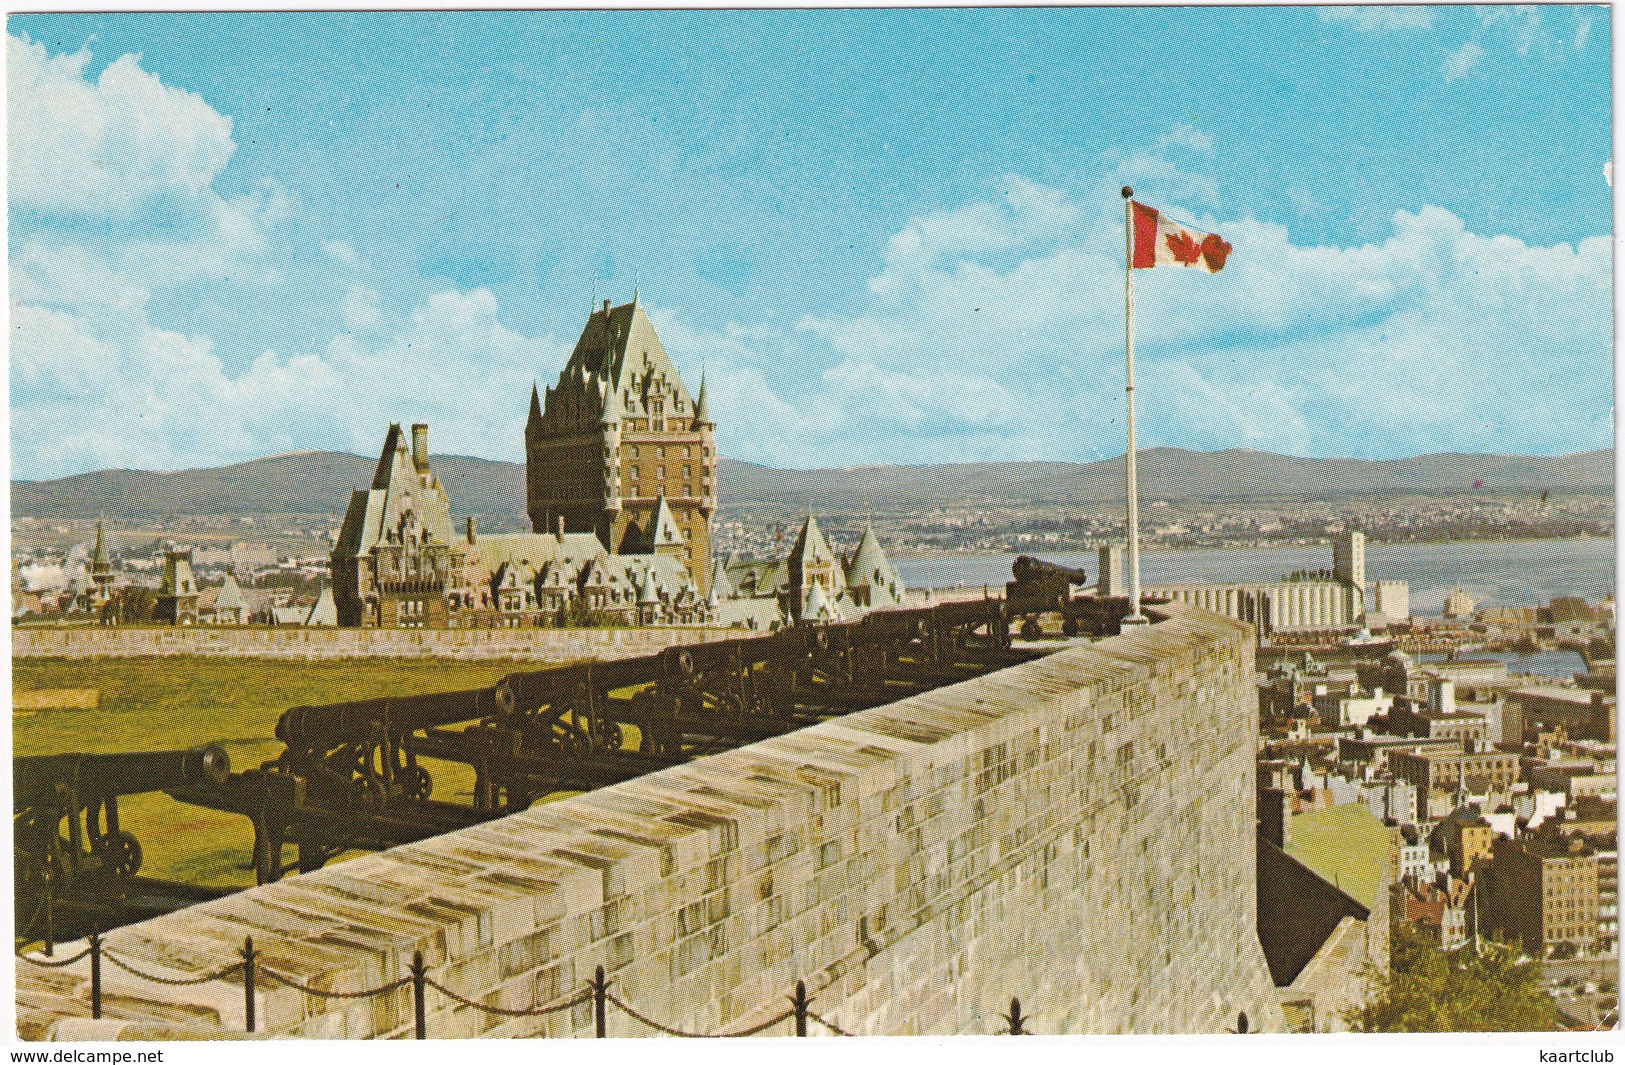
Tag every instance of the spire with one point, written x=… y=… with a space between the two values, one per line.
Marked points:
x=535 y=407
x=99 y=558
x=817 y=603
x=651 y=590
x=610 y=402
x=702 y=409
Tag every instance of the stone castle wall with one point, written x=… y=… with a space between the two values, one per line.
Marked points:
x=1076 y=831
x=542 y=646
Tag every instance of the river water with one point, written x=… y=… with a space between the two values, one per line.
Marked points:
x=1493 y=572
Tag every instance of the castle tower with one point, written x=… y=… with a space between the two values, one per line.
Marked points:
x=397 y=563
x=617 y=446
x=177 y=597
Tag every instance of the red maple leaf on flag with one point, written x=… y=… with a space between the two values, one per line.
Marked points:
x=1185 y=248
x=1215 y=250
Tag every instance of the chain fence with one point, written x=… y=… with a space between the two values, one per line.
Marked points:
x=596 y=992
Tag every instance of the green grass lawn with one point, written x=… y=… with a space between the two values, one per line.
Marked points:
x=153 y=704
x=1345 y=845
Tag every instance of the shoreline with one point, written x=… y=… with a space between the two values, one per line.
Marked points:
x=915 y=553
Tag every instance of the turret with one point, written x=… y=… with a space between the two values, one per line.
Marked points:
x=98 y=560
x=702 y=409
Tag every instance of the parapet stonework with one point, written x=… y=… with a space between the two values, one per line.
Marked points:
x=541 y=647
x=1076 y=831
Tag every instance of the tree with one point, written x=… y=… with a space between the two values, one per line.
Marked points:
x=1486 y=987
x=133 y=604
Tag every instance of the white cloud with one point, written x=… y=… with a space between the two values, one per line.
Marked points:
x=1185 y=136
x=1523 y=24
x=1582 y=32
x=1463 y=59
x=1381 y=19
x=1304 y=200
x=1025 y=212
x=108 y=147
x=1435 y=338
x=989 y=330
x=121 y=392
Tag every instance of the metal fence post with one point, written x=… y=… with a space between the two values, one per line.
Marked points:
x=800 y=1002
x=600 y=988
x=248 y=981
x=95 y=976
x=417 y=994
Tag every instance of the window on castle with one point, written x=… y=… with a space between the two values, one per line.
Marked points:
x=687 y=451
x=634 y=473
x=634 y=452
x=661 y=473
x=660 y=452
x=688 y=471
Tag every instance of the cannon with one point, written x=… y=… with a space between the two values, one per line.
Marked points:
x=1042 y=587
x=96 y=860
x=83 y=790
x=352 y=775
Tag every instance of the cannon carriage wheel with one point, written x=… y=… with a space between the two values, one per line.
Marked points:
x=120 y=853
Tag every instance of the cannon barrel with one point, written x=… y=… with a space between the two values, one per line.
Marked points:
x=325 y=727
x=524 y=692
x=36 y=778
x=1028 y=568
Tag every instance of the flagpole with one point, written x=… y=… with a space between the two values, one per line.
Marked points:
x=1134 y=616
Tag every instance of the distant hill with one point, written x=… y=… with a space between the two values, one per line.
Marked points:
x=319 y=482
x=1170 y=473
x=308 y=482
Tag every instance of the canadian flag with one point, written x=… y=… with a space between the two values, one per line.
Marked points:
x=1159 y=241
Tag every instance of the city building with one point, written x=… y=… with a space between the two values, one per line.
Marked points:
x=178 y=594
x=1348 y=559
x=812 y=582
x=1435 y=907
x=1458 y=604
x=397 y=563
x=1330 y=600
x=1542 y=889
x=620 y=450
x=1451 y=770
x=1466 y=839
x=223 y=605
x=1392 y=601
x=1583 y=713
x=1438 y=717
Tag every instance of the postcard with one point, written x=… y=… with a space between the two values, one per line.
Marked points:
x=812 y=523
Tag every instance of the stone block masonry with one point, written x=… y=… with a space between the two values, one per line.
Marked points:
x=540 y=646
x=1076 y=831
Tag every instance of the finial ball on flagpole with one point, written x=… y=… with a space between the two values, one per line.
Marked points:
x=1128 y=191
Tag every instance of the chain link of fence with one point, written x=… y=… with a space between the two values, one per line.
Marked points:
x=597 y=993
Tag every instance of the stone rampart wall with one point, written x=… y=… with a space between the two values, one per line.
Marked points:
x=541 y=646
x=1077 y=831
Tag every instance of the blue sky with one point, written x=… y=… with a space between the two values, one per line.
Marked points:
x=886 y=235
